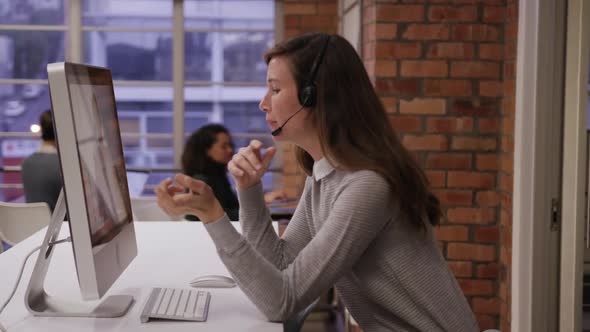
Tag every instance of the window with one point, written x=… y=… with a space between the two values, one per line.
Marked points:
x=224 y=73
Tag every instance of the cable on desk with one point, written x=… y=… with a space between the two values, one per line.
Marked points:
x=20 y=274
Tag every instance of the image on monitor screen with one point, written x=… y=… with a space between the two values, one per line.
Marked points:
x=101 y=161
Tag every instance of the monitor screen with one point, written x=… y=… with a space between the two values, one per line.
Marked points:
x=99 y=144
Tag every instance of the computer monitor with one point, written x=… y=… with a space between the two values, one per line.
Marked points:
x=95 y=182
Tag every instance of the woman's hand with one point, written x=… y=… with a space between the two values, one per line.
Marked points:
x=248 y=165
x=199 y=200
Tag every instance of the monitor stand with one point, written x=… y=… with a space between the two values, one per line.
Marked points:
x=39 y=303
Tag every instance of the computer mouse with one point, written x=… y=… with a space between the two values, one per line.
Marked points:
x=213 y=281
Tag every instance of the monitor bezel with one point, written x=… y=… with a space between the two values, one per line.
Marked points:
x=97 y=268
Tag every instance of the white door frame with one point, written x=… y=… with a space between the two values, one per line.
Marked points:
x=574 y=160
x=537 y=165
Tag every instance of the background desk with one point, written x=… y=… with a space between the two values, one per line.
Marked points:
x=170 y=254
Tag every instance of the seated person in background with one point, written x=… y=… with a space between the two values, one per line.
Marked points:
x=205 y=157
x=41 y=171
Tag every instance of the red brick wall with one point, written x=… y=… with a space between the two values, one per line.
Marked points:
x=506 y=161
x=445 y=71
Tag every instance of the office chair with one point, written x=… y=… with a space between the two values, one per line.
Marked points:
x=147 y=209
x=295 y=323
x=21 y=220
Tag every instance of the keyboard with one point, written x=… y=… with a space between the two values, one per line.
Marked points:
x=176 y=304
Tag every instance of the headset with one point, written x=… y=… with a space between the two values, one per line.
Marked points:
x=308 y=92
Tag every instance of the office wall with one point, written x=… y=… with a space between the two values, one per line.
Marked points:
x=506 y=160
x=445 y=70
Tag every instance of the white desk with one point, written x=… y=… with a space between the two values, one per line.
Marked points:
x=170 y=254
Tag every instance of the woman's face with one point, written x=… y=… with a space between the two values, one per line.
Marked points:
x=280 y=101
x=221 y=151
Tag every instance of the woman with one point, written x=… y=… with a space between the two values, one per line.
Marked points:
x=365 y=220
x=205 y=157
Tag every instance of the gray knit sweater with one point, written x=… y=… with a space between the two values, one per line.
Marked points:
x=347 y=233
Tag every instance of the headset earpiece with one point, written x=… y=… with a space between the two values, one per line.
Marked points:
x=307 y=96
x=308 y=92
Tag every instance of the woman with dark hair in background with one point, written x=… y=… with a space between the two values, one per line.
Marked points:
x=205 y=157
x=365 y=221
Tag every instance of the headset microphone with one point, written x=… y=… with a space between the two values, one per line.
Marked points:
x=279 y=129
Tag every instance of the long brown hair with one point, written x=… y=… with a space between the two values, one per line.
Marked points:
x=352 y=124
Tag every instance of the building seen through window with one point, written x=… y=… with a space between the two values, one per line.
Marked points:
x=224 y=71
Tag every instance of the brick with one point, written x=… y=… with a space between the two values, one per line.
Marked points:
x=381 y=68
x=506 y=182
x=475 y=180
x=487 y=234
x=488 y=271
x=406 y=124
x=300 y=9
x=488 y=125
x=486 y=306
x=475 y=69
x=452 y=14
x=292 y=21
x=475 y=32
x=494 y=14
x=423 y=106
x=426 y=32
x=475 y=107
x=507 y=144
x=452 y=233
x=447 y=88
x=512 y=11
x=491 y=51
x=397 y=86
x=424 y=68
x=436 y=179
x=379 y=31
x=473 y=144
x=369 y=50
x=426 y=142
x=451 y=197
x=487 y=162
x=395 y=50
x=462 y=215
x=491 y=88
x=487 y=322
x=369 y=15
x=318 y=21
x=511 y=30
x=475 y=286
x=487 y=198
x=400 y=13
x=508 y=125
x=390 y=104
x=451 y=51
x=448 y=161
x=468 y=251
x=461 y=269
x=507 y=164
x=449 y=125
x=328 y=8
